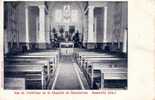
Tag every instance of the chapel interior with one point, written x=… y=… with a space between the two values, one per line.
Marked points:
x=65 y=45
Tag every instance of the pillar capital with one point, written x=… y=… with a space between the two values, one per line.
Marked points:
x=41 y=6
x=91 y=7
x=105 y=7
x=26 y=6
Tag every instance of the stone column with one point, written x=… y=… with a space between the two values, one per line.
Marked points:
x=47 y=31
x=27 y=27
x=37 y=29
x=91 y=35
x=84 y=31
x=105 y=25
x=41 y=36
x=6 y=42
x=91 y=24
x=125 y=41
x=95 y=28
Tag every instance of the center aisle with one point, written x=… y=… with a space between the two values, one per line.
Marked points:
x=67 y=77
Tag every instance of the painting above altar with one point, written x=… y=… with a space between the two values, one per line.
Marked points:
x=66 y=14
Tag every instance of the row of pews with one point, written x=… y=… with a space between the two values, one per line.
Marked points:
x=31 y=70
x=103 y=70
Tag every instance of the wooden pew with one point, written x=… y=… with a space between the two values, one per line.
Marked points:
x=85 y=58
x=50 y=66
x=52 y=54
x=98 y=79
x=81 y=55
x=50 y=57
x=50 y=60
x=107 y=61
x=43 y=53
x=114 y=74
x=14 y=83
x=32 y=73
x=105 y=69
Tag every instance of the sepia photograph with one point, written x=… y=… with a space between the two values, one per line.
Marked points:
x=65 y=45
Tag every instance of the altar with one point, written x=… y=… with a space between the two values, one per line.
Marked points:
x=66 y=48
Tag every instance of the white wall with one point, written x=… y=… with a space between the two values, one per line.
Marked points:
x=60 y=5
x=82 y=22
x=33 y=13
x=21 y=22
x=111 y=19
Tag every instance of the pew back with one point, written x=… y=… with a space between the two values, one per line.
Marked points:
x=34 y=73
x=14 y=83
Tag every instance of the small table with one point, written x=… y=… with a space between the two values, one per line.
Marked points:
x=66 y=48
